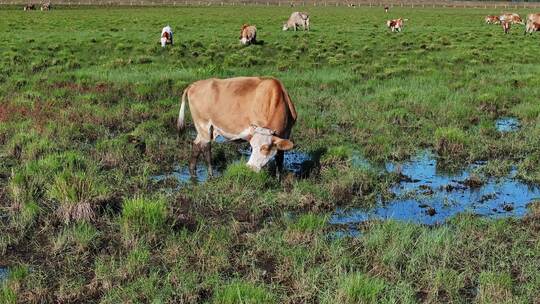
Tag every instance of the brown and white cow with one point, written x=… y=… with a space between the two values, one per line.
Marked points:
x=386 y=8
x=492 y=19
x=248 y=34
x=255 y=109
x=29 y=7
x=297 y=19
x=396 y=25
x=533 y=23
x=166 y=36
x=512 y=18
x=46 y=6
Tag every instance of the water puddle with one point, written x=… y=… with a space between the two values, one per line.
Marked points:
x=507 y=124
x=182 y=175
x=4 y=273
x=427 y=195
x=299 y=163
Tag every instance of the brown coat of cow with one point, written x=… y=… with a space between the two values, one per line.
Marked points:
x=512 y=18
x=255 y=109
x=492 y=20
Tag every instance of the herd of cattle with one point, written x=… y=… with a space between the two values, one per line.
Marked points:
x=259 y=109
x=46 y=6
x=505 y=20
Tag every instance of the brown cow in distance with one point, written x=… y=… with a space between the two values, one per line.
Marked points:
x=396 y=25
x=29 y=7
x=248 y=34
x=255 y=109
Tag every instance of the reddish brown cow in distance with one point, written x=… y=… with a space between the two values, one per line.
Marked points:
x=533 y=23
x=512 y=18
x=248 y=34
x=492 y=20
x=254 y=109
x=396 y=25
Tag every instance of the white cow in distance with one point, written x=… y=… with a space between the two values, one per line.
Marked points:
x=166 y=36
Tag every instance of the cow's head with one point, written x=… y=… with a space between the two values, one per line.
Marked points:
x=264 y=146
x=243 y=34
x=164 y=39
x=285 y=27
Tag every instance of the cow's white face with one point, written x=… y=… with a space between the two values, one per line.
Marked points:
x=264 y=146
x=163 y=41
x=285 y=27
x=244 y=40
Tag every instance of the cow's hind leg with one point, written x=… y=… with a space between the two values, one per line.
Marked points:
x=195 y=151
x=207 y=150
x=200 y=144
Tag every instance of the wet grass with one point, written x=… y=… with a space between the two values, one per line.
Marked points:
x=87 y=118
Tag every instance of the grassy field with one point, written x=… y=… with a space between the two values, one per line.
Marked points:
x=87 y=117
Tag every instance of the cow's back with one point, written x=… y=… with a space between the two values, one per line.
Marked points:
x=232 y=105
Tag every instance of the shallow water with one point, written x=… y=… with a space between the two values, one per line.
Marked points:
x=507 y=124
x=182 y=175
x=296 y=162
x=4 y=273
x=430 y=196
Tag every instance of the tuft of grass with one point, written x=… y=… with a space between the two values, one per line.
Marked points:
x=76 y=194
x=494 y=287
x=450 y=142
x=142 y=215
x=243 y=292
x=359 y=288
x=81 y=237
x=240 y=174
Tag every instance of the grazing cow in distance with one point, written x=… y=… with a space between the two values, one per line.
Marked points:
x=255 y=109
x=29 y=7
x=297 y=19
x=492 y=19
x=46 y=6
x=533 y=23
x=386 y=8
x=512 y=18
x=248 y=34
x=396 y=25
x=506 y=26
x=166 y=36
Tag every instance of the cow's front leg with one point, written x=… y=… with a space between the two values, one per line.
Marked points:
x=280 y=155
x=208 y=157
x=195 y=151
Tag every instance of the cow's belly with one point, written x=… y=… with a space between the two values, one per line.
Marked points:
x=229 y=135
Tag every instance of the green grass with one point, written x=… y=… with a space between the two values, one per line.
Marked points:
x=88 y=102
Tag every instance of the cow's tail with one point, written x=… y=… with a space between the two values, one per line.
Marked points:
x=181 y=124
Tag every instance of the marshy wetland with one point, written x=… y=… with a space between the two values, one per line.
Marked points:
x=419 y=150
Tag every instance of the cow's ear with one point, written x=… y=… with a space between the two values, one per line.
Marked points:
x=282 y=144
